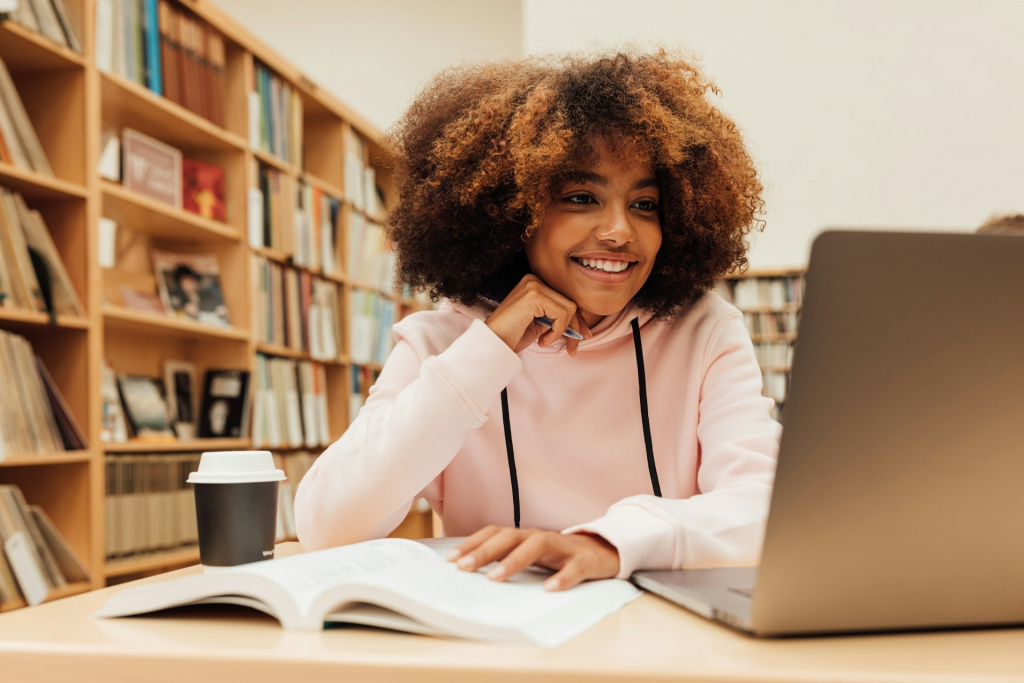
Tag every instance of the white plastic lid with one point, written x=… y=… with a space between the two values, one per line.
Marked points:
x=236 y=467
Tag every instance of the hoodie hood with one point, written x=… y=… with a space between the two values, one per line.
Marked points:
x=612 y=328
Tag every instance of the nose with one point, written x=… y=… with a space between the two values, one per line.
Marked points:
x=615 y=226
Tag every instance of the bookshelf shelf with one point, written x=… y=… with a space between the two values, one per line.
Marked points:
x=21 y=319
x=152 y=562
x=277 y=163
x=120 y=318
x=71 y=105
x=178 y=446
x=58 y=458
x=325 y=186
x=34 y=185
x=772 y=338
x=127 y=103
x=142 y=214
x=25 y=50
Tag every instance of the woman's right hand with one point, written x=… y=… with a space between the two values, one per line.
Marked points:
x=513 y=320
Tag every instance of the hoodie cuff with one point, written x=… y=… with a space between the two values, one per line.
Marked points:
x=479 y=364
x=644 y=540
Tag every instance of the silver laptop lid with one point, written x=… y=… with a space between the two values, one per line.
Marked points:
x=899 y=497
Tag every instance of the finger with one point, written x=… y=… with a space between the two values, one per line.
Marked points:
x=472 y=541
x=494 y=548
x=581 y=326
x=573 y=573
x=528 y=553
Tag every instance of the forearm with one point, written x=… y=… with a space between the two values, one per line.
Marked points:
x=413 y=424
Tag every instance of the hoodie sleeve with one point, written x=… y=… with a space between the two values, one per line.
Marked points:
x=723 y=525
x=413 y=423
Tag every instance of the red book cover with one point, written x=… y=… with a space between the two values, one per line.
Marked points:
x=203 y=188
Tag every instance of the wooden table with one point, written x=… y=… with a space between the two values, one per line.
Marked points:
x=648 y=640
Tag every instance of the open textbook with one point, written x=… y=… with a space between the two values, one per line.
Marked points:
x=390 y=583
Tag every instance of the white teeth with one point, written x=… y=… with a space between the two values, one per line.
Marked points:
x=606 y=266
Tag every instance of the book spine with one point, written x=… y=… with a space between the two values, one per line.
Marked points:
x=151 y=28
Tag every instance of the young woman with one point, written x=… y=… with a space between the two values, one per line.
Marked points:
x=603 y=196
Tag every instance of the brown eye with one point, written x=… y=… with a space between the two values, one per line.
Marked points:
x=646 y=205
x=579 y=199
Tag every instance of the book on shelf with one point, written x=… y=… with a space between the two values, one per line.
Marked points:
x=51 y=19
x=202 y=188
x=180 y=383
x=272 y=224
x=296 y=309
x=295 y=465
x=19 y=144
x=145 y=406
x=275 y=116
x=391 y=583
x=225 y=407
x=71 y=433
x=151 y=168
x=291 y=403
x=371 y=259
x=148 y=504
x=27 y=425
x=31 y=261
x=370 y=338
x=113 y=424
x=36 y=558
x=190 y=287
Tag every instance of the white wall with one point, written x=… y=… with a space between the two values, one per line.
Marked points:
x=893 y=113
x=375 y=55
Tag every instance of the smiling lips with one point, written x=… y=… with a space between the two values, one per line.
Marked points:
x=604 y=269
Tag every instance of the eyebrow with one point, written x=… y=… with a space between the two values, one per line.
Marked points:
x=600 y=180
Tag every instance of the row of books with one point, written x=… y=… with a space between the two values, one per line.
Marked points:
x=169 y=51
x=774 y=354
x=275 y=116
x=149 y=507
x=360 y=179
x=19 y=144
x=372 y=315
x=51 y=19
x=371 y=261
x=290 y=408
x=32 y=274
x=162 y=173
x=771 y=323
x=317 y=226
x=271 y=211
x=35 y=559
x=139 y=406
x=295 y=465
x=296 y=309
x=34 y=419
x=763 y=292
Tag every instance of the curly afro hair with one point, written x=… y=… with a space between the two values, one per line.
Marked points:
x=483 y=148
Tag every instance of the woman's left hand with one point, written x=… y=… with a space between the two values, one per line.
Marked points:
x=576 y=557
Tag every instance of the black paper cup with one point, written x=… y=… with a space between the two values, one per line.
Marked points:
x=236 y=507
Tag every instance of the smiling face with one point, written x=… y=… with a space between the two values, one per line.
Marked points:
x=600 y=234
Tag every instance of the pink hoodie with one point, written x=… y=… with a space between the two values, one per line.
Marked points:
x=432 y=427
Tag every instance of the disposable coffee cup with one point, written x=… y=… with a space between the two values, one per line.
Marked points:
x=236 y=507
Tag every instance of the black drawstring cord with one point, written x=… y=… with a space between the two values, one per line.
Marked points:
x=511 y=456
x=642 y=377
x=648 y=443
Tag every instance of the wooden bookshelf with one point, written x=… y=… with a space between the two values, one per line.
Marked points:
x=758 y=303
x=70 y=102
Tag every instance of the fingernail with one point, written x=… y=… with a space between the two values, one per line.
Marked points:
x=453 y=554
x=466 y=562
x=496 y=573
x=552 y=584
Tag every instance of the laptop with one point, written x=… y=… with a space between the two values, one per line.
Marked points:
x=899 y=495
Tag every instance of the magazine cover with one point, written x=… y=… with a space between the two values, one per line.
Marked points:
x=144 y=404
x=203 y=189
x=225 y=406
x=190 y=288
